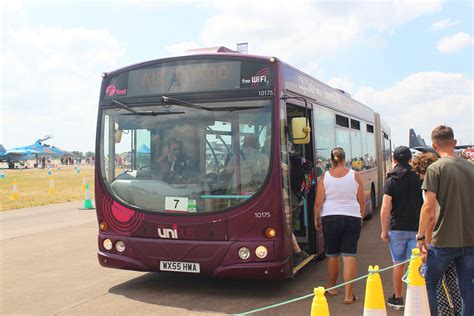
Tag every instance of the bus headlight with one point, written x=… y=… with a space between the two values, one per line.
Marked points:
x=107 y=243
x=244 y=253
x=120 y=246
x=261 y=252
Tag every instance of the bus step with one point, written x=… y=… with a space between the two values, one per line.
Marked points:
x=303 y=263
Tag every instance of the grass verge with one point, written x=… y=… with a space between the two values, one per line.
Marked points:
x=33 y=186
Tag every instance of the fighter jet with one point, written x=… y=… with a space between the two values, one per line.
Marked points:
x=34 y=151
x=417 y=144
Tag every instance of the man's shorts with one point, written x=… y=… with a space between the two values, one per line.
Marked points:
x=401 y=244
x=341 y=234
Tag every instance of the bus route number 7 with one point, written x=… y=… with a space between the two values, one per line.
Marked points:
x=176 y=204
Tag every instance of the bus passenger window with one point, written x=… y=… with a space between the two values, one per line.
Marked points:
x=324 y=133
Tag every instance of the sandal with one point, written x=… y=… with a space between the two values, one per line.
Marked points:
x=354 y=299
x=332 y=293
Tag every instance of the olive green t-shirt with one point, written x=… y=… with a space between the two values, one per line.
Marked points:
x=452 y=179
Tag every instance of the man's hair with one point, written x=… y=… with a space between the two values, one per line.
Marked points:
x=442 y=135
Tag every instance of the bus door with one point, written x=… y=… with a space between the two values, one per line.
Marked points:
x=303 y=215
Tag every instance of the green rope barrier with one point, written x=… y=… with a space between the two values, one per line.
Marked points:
x=329 y=289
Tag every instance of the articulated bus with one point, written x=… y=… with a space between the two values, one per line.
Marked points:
x=193 y=172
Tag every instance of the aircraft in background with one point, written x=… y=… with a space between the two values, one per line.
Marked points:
x=34 y=151
x=418 y=145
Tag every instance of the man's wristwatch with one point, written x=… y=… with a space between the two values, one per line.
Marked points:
x=420 y=237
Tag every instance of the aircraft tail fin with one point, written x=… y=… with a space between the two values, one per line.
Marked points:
x=415 y=140
x=2 y=149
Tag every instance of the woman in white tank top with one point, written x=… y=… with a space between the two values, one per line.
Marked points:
x=338 y=211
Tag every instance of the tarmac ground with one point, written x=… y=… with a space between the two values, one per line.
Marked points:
x=48 y=266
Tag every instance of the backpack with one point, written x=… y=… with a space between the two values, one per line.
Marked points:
x=302 y=175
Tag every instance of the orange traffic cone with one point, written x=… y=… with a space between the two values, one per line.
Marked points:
x=15 y=195
x=417 y=297
x=51 y=186
x=374 y=303
x=320 y=304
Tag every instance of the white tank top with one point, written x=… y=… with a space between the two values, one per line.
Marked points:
x=340 y=195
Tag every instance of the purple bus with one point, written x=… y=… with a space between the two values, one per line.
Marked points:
x=193 y=174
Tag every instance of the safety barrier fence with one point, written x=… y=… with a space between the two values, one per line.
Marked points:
x=261 y=309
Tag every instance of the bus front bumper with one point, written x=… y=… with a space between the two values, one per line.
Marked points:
x=252 y=270
x=256 y=270
x=111 y=260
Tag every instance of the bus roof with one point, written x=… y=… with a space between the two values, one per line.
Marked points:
x=305 y=85
x=219 y=51
x=316 y=90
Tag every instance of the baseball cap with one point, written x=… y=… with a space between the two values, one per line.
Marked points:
x=402 y=154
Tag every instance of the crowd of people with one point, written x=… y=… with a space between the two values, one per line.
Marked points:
x=427 y=203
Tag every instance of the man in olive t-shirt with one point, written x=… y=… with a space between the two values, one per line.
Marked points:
x=450 y=182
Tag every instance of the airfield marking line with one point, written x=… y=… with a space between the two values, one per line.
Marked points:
x=60 y=272
x=70 y=307
x=50 y=230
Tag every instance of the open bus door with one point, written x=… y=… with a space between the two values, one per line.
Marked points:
x=303 y=216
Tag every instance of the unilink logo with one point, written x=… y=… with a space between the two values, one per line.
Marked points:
x=112 y=90
x=168 y=232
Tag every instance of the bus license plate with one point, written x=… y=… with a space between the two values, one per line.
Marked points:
x=177 y=266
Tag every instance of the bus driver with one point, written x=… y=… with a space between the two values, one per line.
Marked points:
x=173 y=160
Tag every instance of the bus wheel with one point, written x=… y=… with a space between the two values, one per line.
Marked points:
x=372 y=205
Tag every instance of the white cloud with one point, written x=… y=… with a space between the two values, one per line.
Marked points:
x=53 y=82
x=423 y=101
x=303 y=32
x=454 y=43
x=442 y=24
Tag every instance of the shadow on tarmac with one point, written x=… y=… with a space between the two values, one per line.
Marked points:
x=231 y=296
x=200 y=293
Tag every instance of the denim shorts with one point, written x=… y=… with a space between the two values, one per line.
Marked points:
x=401 y=244
x=341 y=234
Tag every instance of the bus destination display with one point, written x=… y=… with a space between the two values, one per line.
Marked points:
x=190 y=76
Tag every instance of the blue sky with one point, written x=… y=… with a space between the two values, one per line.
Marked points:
x=412 y=61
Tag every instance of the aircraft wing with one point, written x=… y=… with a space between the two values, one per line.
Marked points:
x=17 y=153
x=55 y=152
x=28 y=152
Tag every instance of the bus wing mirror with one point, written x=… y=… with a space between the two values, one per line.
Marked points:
x=301 y=130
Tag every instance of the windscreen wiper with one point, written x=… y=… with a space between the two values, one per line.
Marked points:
x=144 y=113
x=235 y=108
x=168 y=100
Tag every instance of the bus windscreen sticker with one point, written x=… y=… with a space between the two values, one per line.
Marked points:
x=256 y=75
x=117 y=87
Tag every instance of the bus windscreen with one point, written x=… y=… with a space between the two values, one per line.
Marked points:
x=189 y=76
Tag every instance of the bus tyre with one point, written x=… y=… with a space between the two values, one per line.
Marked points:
x=372 y=206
